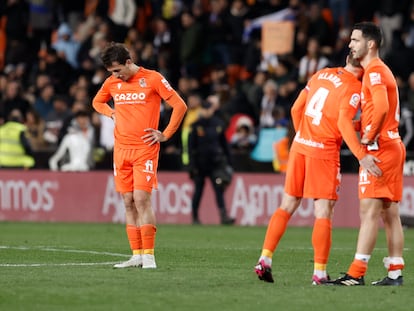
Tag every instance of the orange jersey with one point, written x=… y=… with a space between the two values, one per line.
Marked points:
x=137 y=105
x=315 y=113
x=380 y=108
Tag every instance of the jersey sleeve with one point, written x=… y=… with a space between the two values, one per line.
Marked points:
x=100 y=101
x=173 y=99
x=298 y=108
x=381 y=104
x=349 y=104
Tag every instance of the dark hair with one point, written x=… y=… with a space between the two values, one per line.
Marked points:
x=115 y=52
x=81 y=113
x=370 y=31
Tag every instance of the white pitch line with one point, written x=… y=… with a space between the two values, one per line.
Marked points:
x=51 y=249
x=58 y=264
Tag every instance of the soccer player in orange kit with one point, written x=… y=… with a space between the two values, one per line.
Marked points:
x=379 y=196
x=322 y=114
x=137 y=93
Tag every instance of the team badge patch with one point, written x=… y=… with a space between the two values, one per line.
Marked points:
x=375 y=78
x=355 y=99
x=142 y=82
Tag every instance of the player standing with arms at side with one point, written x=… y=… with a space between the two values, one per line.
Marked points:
x=314 y=164
x=379 y=196
x=137 y=93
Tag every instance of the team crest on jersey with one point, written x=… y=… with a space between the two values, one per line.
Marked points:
x=355 y=99
x=142 y=82
x=119 y=86
x=375 y=78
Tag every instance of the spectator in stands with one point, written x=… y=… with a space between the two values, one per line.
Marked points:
x=16 y=23
x=99 y=41
x=59 y=70
x=407 y=113
x=408 y=28
x=390 y=18
x=399 y=60
x=42 y=20
x=244 y=139
x=44 y=101
x=73 y=12
x=55 y=119
x=312 y=61
x=406 y=126
x=13 y=99
x=187 y=85
x=3 y=85
x=409 y=93
x=191 y=45
x=236 y=20
x=217 y=33
x=70 y=121
x=106 y=133
x=339 y=10
x=318 y=27
x=163 y=37
x=121 y=14
x=38 y=81
x=66 y=46
x=268 y=103
x=35 y=129
x=253 y=89
x=15 y=149
x=93 y=33
x=252 y=55
x=78 y=142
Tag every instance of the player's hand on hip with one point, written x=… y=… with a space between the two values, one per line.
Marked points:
x=153 y=136
x=368 y=163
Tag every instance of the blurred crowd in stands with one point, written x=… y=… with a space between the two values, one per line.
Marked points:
x=208 y=49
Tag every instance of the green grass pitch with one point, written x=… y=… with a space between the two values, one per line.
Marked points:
x=60 y=266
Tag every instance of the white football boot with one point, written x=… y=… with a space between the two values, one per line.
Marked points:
x=134 y=261
x=148 y=261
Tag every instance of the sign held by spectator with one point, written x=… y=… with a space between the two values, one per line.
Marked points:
x=278 y=37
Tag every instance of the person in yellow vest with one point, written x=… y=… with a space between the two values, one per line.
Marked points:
x=194 y=101
x=15 y=149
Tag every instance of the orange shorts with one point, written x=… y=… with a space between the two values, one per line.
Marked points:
x=390 y=185
x=136 y=169
x=314 y=178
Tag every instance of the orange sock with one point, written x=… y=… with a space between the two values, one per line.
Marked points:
x=358 y=268
x=275 y=230
x=134 y=238
x=321 y=240
x=148 y=238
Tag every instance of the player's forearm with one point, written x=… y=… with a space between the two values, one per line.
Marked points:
x=103 y=108
x=179 y=110
x=346 y=127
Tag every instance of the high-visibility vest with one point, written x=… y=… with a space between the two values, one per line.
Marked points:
x=12 y=153
x=281 y=155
